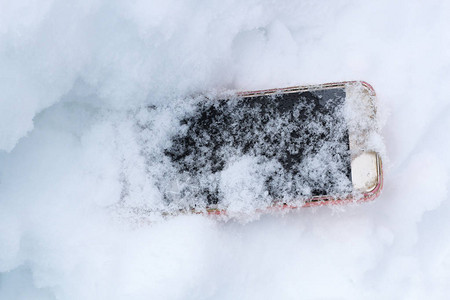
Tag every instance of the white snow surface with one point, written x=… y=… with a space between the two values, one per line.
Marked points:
x=74 y=79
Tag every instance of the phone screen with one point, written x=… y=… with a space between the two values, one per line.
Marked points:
x=279 y=147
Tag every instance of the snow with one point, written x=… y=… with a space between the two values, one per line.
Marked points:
x=78 y=83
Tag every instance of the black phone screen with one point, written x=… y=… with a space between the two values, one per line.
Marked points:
x=287 y=145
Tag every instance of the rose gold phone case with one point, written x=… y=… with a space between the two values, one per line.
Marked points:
x=367 y=195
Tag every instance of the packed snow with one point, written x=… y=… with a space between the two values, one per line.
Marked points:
x=91 y=93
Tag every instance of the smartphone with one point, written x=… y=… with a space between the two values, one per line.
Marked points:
x=279 y=148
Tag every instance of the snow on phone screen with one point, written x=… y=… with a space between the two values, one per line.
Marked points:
x=268 y=148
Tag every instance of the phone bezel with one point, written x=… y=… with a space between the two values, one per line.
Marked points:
x=366 y=195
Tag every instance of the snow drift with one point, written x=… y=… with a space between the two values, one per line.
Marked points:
x=76 y=77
